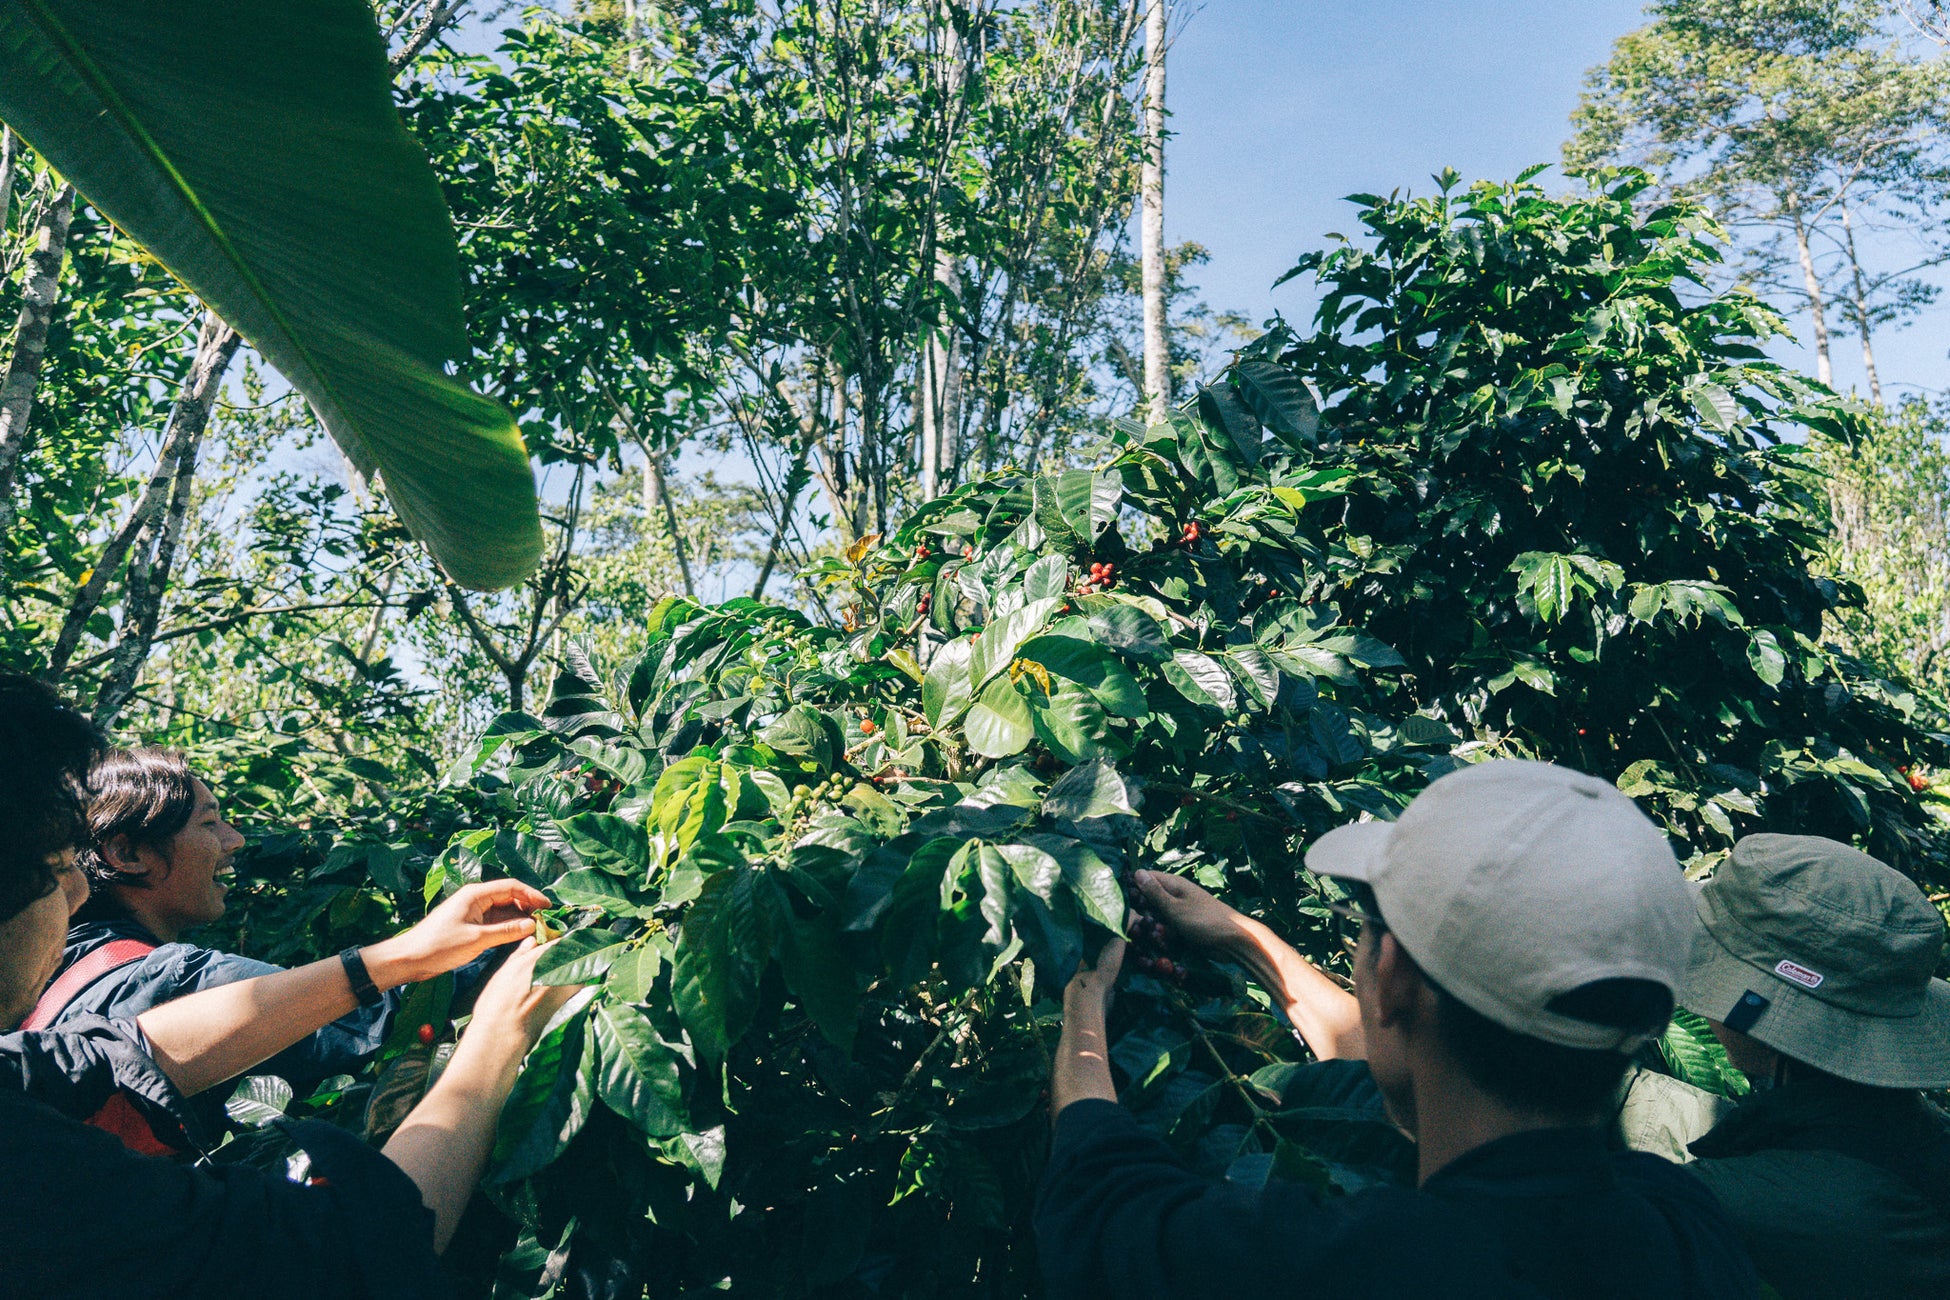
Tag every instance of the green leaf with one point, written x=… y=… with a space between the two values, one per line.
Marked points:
x=633 y=972
x=1201 y=679
x=1695 y=1056
x=549 y=1105
x=1049 y=576
x=598 y=889
x=714 y=985
x=801 y=732
x=1092 y=668
x=1037 y=871
x=1768 y=659
x=1095 y=789
x=638 y=1074
x=1715 y=406
x=999 y=724
x=258 y=1100
x=579 y=957
x=1222 y=409
x=1071 y=722
x=703 y=1152
x=1550 y=582
x=1089 y=877
x=992 y=871
x=328 y=247
x=1280 y=400
x=1256 y=673
x=1088 y=502
x=608 y=842
x=820 y=976
x=1128 y=629
x=947 y=690
x=1000 y=640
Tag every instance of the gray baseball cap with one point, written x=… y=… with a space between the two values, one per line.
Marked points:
x=1826 y=955
x=1514 y=883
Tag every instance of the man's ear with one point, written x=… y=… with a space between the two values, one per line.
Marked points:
x=120 y=853
x=1397 y=981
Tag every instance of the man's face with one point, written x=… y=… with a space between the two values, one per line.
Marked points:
x=31 y=940
x=184 y=886
x=1382 y=1034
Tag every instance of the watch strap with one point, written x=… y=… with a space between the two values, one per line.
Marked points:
x=355 y=970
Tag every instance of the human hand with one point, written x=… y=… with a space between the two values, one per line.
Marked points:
x=474 y=919
x=1090 y=989
x=512 y=1007
x=1191 y=914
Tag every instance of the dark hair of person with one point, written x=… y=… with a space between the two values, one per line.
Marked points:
x=1531 y=1074
x=147 y=794
x=1534 y=1075
x=45 y=748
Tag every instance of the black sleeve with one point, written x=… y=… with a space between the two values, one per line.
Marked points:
x=76 y=1068
x=1119 y=1216
x=81 y=1215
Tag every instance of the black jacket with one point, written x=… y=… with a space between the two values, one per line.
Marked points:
x=83 y=1216
x=1542 y=1214
x=1839 y=1190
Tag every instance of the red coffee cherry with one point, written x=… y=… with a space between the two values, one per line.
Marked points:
x=426 y=1033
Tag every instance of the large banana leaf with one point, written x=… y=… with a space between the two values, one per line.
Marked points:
x=253 y=147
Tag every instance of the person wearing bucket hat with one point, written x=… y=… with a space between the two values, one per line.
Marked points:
x=1814 y=964
x=1523 y=928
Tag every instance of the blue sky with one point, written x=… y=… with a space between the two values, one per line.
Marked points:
x=1282 y=107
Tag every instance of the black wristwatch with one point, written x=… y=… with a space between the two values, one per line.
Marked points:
x=355 y=970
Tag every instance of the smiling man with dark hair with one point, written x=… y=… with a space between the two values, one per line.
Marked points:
x=157 y=853
x=1523 y=929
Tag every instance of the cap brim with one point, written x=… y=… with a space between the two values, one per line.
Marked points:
x=1352 y=852
x=1881 y=1051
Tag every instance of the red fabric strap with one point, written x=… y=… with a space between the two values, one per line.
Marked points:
x=116 y=952
x=119 y=1116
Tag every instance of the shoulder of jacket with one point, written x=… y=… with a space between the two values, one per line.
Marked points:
x=1661 y=1115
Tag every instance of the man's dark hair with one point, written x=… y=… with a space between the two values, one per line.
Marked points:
x=1532 y=1074
x=45 y=748
x=145 y=793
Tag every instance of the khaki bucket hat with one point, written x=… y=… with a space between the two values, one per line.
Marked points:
x=1826 y=955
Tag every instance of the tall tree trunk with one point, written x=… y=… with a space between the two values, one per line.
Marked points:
x=9 y=165
x=1860 y=295
x=941 y=361
x=155 y=554
x=1157 y=357
x=1824 y=371
x=633 y=36
x=656 y=494
x=37 y=298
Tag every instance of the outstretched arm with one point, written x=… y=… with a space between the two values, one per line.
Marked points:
x=217 y=1034
x=1082 y=1068
x=1327 y=1016
x=443 y=1144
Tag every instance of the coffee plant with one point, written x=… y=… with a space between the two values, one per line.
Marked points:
x=1580 y=503
x=830 y=881
x=1528 y=489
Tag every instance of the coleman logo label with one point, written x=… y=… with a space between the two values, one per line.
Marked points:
x=1801 y=975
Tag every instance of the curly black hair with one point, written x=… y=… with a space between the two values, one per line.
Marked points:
x=45 y=750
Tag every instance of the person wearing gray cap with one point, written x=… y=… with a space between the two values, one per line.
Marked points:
x=1814 y=965
x=1524 y=928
